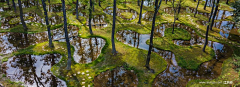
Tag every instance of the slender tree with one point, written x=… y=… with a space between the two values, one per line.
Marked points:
x=140 y=15
x=14 y=6
x=37 y=3
x=114 y=52
x=206 y=36
x=214 y=15
x=77 y=10
x=8 y=4
x=205 y=5
x=166 y=1
x=99 y=3
x=21 y=16
x=227 y=2
x=174 y=9
x=196 y=8
x=66 y=36
x=90 y=18
x=47 y=23
x=151 y=37
x=138 y=2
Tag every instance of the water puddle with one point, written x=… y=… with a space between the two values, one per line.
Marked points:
x=109 y=10
x=33 y=70
x=31 y=17
x=14 y=41
x=148 y=16
x=228 y=29
x=117 y=77
x=174 y=75
x=221 y=14
x=11 y=42
x=98 y=21
x=86 y=50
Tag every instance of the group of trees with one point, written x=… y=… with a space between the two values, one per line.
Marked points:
x=156 y=8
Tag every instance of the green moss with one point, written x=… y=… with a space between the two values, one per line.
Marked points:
x=228 y=74
x=189 y=57
x=127 y=15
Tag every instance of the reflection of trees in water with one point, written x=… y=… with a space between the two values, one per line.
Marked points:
x=86 y=50
x=129 y=37
x=33 y=70
x=117 y=77
x=14 y=41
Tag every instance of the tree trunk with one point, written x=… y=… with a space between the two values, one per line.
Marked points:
x=179 y=8
x=90 y=18
x=21 y=16
x=196 y=8
x=14 y=6
x=138 y=2
x=114 y=52
x=47 y=23
x=174 y=17
x=99 y=3
x=8 y=4
x=92 y=6
x=214 y=15
x=37 y=3
x=206 y=36
x=194 y=0
x=227 y=2
x=140 y=15
x=49 y=1
x=151 y=37
x=77 y=10
x=205 y=5
x=66 y=36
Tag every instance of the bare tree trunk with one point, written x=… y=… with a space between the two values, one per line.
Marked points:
x=205 y=5
x=99 y=3
x=206 y=36
x=214 y=15
x=90 y=18
x=196 y=8
x=151 y=37
x=37 y=3
x=77 y=10
x=227 y=2
x=21 y=16
x=8 y=4
x=66 y=36
x=14 y=6
x=47 y=23
x=114 y=52
x=138 y=2
x=140 y=15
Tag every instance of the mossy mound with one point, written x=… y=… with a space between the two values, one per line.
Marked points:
x=228 y=77
x=127 y=15
x=189 y=57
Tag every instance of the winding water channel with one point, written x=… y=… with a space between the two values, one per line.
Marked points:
x=174 y=75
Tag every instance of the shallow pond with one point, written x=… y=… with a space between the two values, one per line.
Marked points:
x=175 y=75
x=228 y=29
x=221 y=14
x=109 y=10
x=117 y=77
x=33 y=70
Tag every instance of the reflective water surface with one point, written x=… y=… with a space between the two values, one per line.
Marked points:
x=228 y=29
x=118 y=77
x=175 y=75
x=33 y=70
x=109 y=10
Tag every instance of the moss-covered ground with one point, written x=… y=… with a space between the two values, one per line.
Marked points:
x=189 y=57
x=131 y=58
